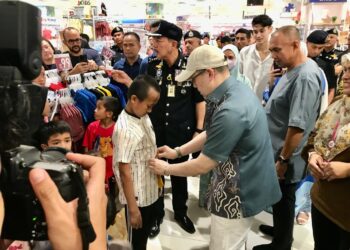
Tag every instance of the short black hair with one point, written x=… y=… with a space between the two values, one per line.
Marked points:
x=85 y=36
x=112 y=104
x=130 y=33
x=140 y=86
x=52 y=128
x=263 y=20
x=244 y=31
x=226 y=39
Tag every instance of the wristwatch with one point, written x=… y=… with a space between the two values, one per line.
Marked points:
x=283 y=160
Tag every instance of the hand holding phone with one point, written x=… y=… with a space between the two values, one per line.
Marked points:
x=277 y=69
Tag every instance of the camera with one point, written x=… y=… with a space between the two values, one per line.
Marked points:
x=25 y=218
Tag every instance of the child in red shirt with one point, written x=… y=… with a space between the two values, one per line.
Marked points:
x=98 y=136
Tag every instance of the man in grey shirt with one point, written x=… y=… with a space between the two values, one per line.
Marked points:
x=291 y=112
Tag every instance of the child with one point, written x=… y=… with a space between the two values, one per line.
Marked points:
x=135 y=144
x=55 y=134
x=98 y=136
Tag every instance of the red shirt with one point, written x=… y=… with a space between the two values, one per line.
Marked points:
x=99 y=139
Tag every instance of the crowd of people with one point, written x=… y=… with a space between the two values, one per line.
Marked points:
x=257 y=112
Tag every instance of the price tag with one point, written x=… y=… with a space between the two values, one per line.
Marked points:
x=63 y=62
x=107 y=53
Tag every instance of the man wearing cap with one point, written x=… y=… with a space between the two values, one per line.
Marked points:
x=117 y=36
x=330 y=53
x=235 y=145
x=315 y=44
x=192 y=40
x=206 y=38
x=179 y=114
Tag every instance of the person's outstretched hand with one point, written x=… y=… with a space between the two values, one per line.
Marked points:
x=61 y=216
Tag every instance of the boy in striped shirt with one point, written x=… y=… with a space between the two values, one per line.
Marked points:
x=134 y=144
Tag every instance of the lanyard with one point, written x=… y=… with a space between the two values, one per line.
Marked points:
x=331 y=143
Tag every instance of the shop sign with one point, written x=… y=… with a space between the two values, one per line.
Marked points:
x=63 y=62
x=107 y=53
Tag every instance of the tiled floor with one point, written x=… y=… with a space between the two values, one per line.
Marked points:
x=172 y=237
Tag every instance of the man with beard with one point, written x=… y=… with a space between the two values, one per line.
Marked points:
x=83 y=60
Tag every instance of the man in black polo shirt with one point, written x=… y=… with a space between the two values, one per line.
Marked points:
x=83 y=60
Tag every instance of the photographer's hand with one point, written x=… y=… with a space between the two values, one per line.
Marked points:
x=61 y=218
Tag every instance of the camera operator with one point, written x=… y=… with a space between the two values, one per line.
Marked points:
x=63 y=230
x=53 y=218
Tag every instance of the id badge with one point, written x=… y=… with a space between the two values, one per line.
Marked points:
x=171 y=90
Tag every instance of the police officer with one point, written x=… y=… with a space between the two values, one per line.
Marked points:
x=179 y=114
x=192 y=40
x=117 y=36
x=330 y=53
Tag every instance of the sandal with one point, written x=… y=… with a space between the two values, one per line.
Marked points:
x=302 y=218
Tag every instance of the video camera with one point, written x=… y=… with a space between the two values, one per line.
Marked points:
x=20 y=62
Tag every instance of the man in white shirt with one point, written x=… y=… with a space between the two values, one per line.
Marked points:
x=134 y=145
x=256 y=59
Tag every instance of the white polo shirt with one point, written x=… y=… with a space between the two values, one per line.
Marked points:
x=255 y=69
x=135 y=143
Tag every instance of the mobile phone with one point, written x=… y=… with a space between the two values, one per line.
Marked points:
x=83 y=58
x=277 y=66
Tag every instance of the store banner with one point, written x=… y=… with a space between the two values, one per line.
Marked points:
x=327 y=1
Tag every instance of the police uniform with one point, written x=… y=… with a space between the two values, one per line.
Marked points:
x=118 y=51
x=333 y=55
x=174 y=118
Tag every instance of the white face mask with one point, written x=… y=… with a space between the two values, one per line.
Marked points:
x=231 y=63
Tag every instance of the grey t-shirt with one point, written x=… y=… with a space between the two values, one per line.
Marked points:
x=294 y=102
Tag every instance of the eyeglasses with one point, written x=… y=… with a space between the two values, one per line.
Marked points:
x=198 y=73
x=71 y=41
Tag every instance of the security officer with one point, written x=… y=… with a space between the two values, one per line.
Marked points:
x=330 y=53
x=117 y=36
x=192 y=40
x=178 y=115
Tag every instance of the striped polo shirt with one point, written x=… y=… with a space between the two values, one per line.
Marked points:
x=135 y=143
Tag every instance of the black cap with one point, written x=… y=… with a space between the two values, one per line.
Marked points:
x=317 y=37
x=192 y=34
x=332 y=31
x=206 y=34
x=116 y=30
x=226 y=39
x=168 y=30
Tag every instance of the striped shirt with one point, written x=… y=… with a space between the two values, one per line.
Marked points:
x=135 y=143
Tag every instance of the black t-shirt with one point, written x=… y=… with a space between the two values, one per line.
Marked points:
x=174 y=117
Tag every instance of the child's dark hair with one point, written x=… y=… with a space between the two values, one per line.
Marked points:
x=263 y=20
x=51 y=128
x=112 y=104
x=140 y=86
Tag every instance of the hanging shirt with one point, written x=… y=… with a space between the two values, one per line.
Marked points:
x=99 y=139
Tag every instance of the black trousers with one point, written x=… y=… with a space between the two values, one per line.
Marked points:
x=283 y=217
x=180 y=194
x=328 y=235
x=139 y=237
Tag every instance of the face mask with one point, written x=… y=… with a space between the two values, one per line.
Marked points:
x=231 y=63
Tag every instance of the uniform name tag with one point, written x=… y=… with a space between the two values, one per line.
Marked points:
x=171 y=90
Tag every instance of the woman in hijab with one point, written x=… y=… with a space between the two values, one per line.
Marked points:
x=328 y=157
x=232 y=54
